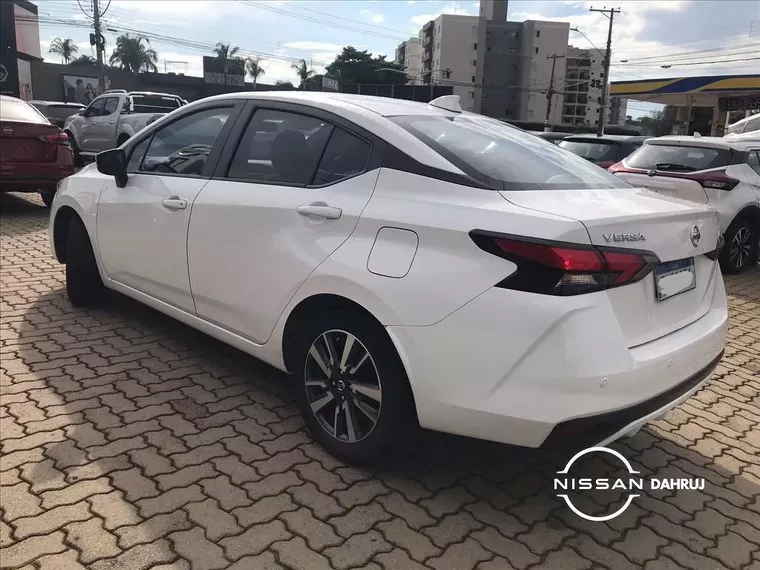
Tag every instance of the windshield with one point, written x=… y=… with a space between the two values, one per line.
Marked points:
x=154 y=104
x=678 y=157
x=503 y=157
x=594 y=151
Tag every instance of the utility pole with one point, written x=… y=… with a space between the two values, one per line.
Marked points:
x=550 y=94
x=610 y=14
x=98 y=45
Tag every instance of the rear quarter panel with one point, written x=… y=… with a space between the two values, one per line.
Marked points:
x=448 y=269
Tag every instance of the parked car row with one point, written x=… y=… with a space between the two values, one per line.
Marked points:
x=409 y=264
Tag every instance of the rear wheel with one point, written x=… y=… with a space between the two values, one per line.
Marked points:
x=83 y=283
x=741 y=246
x=47 y=197
x=351 y=386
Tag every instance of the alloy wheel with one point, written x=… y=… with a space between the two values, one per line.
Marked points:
x=343 y=386
x=741 y=247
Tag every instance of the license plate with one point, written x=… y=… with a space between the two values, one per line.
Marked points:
x=674 y=277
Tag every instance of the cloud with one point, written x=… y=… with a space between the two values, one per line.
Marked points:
x=378 y=18
x=450 y=8
x=318 y=46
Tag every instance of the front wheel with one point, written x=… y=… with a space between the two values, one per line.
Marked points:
x=741 y=246
x=83 y=283
x=351 y=387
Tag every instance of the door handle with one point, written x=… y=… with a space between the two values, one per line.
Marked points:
x=320 y=210
x=174 y=203
x=110 y=122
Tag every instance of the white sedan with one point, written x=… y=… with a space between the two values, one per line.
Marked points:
x=409 y=264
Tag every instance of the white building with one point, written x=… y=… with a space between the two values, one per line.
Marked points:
x=582 y=82
x=408 y=55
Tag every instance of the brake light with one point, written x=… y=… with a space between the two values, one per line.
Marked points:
x=55 y=138
x=553 y=268
x=616 y=167
x=714 y=179
x=605 y=163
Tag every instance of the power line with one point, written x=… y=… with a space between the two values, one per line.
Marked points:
x=682 y=64
x=346 y=19
x=690 y=54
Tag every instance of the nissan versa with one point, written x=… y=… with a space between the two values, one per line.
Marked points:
x=408 y=263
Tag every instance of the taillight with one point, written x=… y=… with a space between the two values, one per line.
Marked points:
x=616 y=167
x=55 y=138
x=554 y=268
x=716 y=179
x=605 y=163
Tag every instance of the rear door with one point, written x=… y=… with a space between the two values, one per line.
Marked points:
x=22 y=137
x=291 y=193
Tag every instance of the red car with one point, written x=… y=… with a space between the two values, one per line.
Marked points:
x=34 y=155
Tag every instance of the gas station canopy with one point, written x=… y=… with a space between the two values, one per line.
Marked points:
x=721 y=92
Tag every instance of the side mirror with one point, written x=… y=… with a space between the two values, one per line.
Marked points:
x=114 y=163
x=80 y=112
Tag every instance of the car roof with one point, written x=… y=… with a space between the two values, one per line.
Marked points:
x=607 y=138
x=64 y=103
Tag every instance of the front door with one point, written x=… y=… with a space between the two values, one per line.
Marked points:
x=88 y=132
x=284 y=205
x=102 y=133
x=142 y=228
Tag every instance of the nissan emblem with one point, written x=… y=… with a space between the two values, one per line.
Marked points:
x=695 y=236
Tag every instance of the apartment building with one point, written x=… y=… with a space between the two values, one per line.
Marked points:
x=618 y=110
x=582 y=83
x=452 y=53
x=408 y=55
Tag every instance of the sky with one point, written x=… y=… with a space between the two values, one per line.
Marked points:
x=281 y=31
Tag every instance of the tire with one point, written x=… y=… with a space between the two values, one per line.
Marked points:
x=122 y=140
x=78 y=160
x=741 y=246
x=83 y=283
x=47 y=197
x=395 y=417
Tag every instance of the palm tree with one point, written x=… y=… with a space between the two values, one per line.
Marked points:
x=226 y=55
x=254 y=69
x=303 y=72
x=66 y=48
x=83 y=60
x=131 y=54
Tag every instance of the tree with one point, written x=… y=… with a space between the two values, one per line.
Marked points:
x=227 y=56
x=254 y=69
x=83 y=60
x=303 y=72
x=353 y=66
x=283 y=85
x=66 y=48
x=133 y=55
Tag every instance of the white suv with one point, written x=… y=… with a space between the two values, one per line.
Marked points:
x=721 y=172
x=408 y=264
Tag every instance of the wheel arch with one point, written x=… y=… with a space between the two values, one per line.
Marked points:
x=751 y=212
x=122 y=138
x=63 y=217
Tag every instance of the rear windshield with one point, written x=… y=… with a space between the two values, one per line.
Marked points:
x=678 y=158
x=20 y=112
x=155 y=104
x=595 y=151
x=503 y=157
x=61 y=111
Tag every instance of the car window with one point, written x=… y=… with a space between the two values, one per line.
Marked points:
x=752 y=125
x=754 y=160
x=146 y=103
x=503 y=157
x=182 y=147
x=95 y=109
x=133 y=165
x=593 y=151
x=345 y=156
x=110 y=106
x=61 y=111
x=280 y=147
x=678 y=158
x=18 y=111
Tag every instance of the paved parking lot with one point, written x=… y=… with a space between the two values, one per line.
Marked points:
x=129 y=441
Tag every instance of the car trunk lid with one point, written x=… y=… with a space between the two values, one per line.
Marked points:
x=639 y=219
x=29 y=142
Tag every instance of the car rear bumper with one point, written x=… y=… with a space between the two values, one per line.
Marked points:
x=534 y=370
x=33 y=177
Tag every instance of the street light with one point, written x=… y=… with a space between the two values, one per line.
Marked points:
x=576 y=29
